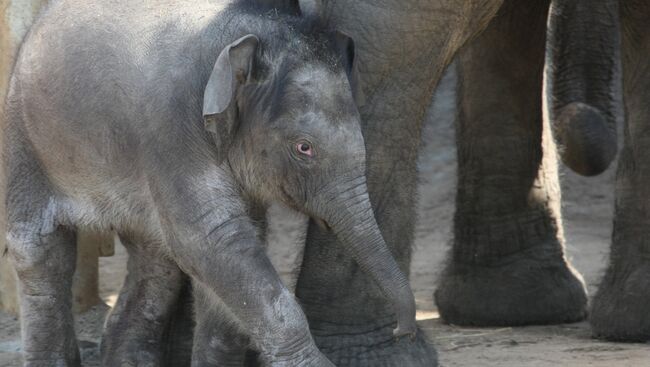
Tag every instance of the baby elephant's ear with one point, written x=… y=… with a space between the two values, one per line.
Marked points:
x=231 y=71
x=350 y=61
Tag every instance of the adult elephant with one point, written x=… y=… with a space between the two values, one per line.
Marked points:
x=507 y=263
x=620 y=307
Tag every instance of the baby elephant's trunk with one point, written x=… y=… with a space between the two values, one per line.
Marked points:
x=349 y=213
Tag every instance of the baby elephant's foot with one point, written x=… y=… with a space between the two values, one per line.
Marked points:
x=134 y=357
x=317 y=359
x=56 y=362
x=134 y=333
x=310 y=357
x=131 y=353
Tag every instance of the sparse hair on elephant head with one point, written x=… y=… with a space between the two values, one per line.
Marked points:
x=244 y=64
x=290 y=98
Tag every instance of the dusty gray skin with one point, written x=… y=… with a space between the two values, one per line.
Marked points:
x=107 y=117
x=620 y=307
x=584 y=40
x=507 y=263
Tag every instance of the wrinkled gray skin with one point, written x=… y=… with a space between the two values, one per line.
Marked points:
x=507 y=265
x=106 y=130
x=620 y=307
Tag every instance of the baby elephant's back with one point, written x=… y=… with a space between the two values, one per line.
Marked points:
x=96 y=80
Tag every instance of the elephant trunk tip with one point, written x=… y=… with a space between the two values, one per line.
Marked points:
x=588 y=143
x=409 y=331
x=406 y=325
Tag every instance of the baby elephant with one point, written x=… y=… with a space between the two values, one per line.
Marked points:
x=171 y=122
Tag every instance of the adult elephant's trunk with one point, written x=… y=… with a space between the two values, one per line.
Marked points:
x=347 y=211
x=582 y=80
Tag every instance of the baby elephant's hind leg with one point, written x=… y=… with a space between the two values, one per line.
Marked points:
x=217 y=341
x=135 y=330
x=45 y=264
x=44 y=256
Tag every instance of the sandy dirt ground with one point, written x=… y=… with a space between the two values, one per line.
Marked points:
x=587 y=208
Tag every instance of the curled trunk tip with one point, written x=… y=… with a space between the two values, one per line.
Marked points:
x=587 y=142
x=349 y=213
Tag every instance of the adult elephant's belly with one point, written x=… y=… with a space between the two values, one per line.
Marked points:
x=403 y=48
x=413 y=39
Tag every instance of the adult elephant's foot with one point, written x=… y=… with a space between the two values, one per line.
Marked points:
x=517 y=275
x=372 y=344
x=521 y=289
x=620 y=307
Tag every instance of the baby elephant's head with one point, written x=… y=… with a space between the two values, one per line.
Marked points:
x=285 y=116
x=283 y=109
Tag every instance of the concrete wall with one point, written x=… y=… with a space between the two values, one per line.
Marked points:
x=16 y=16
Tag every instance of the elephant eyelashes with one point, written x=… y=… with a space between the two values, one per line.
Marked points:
x=305 y=148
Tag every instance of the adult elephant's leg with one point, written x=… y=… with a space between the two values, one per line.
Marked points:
x=507 y=264
x=620 y=307
x=402 y=51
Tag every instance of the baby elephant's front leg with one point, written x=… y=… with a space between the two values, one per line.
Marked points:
x=232 y=267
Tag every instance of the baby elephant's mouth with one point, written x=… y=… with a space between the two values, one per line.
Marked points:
x=322 y=224
x=290 y=201
x=293 y=203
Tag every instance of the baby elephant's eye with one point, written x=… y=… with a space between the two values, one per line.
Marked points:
x=305 y=148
